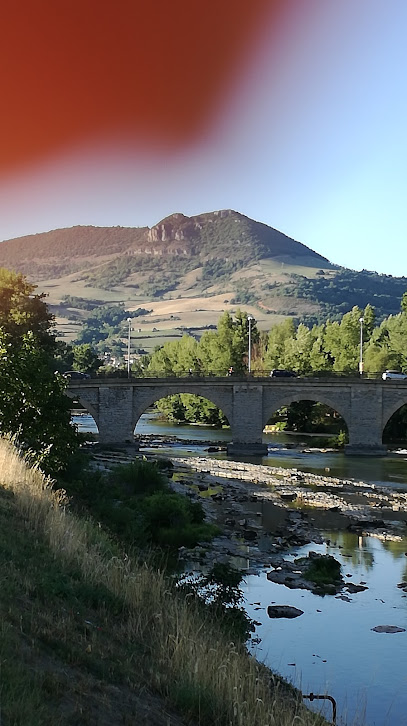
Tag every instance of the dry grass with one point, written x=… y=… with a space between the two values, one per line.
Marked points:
x=186 y=657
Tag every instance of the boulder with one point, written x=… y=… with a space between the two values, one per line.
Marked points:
x=283 y=611
x=355 y=588
x=388 y=629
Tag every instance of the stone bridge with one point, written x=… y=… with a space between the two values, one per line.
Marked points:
x=248 y=403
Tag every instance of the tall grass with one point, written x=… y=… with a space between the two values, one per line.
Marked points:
x=186 y=656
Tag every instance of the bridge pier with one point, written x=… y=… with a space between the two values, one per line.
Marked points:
x=246 y=424
x=365 y=425
x=115 y=421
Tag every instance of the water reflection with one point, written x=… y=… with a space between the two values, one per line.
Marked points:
x=331 y=647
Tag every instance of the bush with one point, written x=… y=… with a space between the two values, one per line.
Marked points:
x=322 y=569
x=219 y=591
x=141 y=477
x=340 y=440
x=134 y=502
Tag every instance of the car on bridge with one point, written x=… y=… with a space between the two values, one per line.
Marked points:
x=76 y=375
x=280 y=373
x=394 y=376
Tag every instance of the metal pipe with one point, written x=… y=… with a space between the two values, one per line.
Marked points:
x=249 y=319
x=128 y=347
x=361 y=321
x=313 y=696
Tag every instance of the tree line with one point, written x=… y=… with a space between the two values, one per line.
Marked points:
x=332 y=347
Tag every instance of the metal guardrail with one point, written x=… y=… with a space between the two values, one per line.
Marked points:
x=244 y=375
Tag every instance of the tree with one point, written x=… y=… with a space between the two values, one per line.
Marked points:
x=229 y=345
x=21 y=310
x=277 y=341
x=176 y=357
x=33 y=406
x=85 y=359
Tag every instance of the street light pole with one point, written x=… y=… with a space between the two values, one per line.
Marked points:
x=249 y=319
x=128 y=347
x=361 y=321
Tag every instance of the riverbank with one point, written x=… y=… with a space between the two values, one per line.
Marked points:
x=93 y=635
x=264 y=511
x=272 y=516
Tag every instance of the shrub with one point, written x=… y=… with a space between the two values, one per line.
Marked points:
x=140 y=477
x=322 y=569
x=219 y=591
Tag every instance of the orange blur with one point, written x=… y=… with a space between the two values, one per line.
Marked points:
x=150 y=71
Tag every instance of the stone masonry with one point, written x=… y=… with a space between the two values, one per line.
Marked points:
x=248 y=403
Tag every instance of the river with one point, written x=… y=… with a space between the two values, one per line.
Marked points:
x=331 y=648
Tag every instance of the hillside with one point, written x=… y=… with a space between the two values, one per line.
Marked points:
x=91 y=635
x=187 y=270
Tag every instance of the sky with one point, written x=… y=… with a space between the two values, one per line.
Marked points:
x=291 y=112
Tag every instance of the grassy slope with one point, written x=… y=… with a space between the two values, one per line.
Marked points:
x=87 y=637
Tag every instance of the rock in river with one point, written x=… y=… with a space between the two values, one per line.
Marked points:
x=388 y=629
x=283 y=611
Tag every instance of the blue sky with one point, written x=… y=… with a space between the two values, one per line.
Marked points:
x=309 y=137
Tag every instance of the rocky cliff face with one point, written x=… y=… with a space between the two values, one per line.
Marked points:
x=176 y=228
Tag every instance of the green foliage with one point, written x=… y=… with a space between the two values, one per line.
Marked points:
x=349 y=288
x=140 y=477
x=85 y=359
x=216 y=269
x=63 y=356
x=80 y=303
x=228 y=346
x=176 y=357
x=322 y=569
x=188 y=408
x=219 y=591
x=23 y=311
x=106 y=322
x=33 y=406
x=340 y=440
x=135 y=502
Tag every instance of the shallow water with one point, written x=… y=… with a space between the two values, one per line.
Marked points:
x=388 y=470
x=331 y=648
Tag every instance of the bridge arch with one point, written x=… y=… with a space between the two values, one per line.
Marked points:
x=288 y=398
x=147 y=397
x=388 y=413
x=85 y=403
x=391 y=408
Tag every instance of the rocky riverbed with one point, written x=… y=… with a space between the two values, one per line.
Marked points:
x=265 y=511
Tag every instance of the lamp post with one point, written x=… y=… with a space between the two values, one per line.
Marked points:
x=250 y=318
x=361 y=321
x=128 y=347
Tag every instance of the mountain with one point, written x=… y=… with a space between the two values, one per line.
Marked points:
x=225 y=235
x=201 y=264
